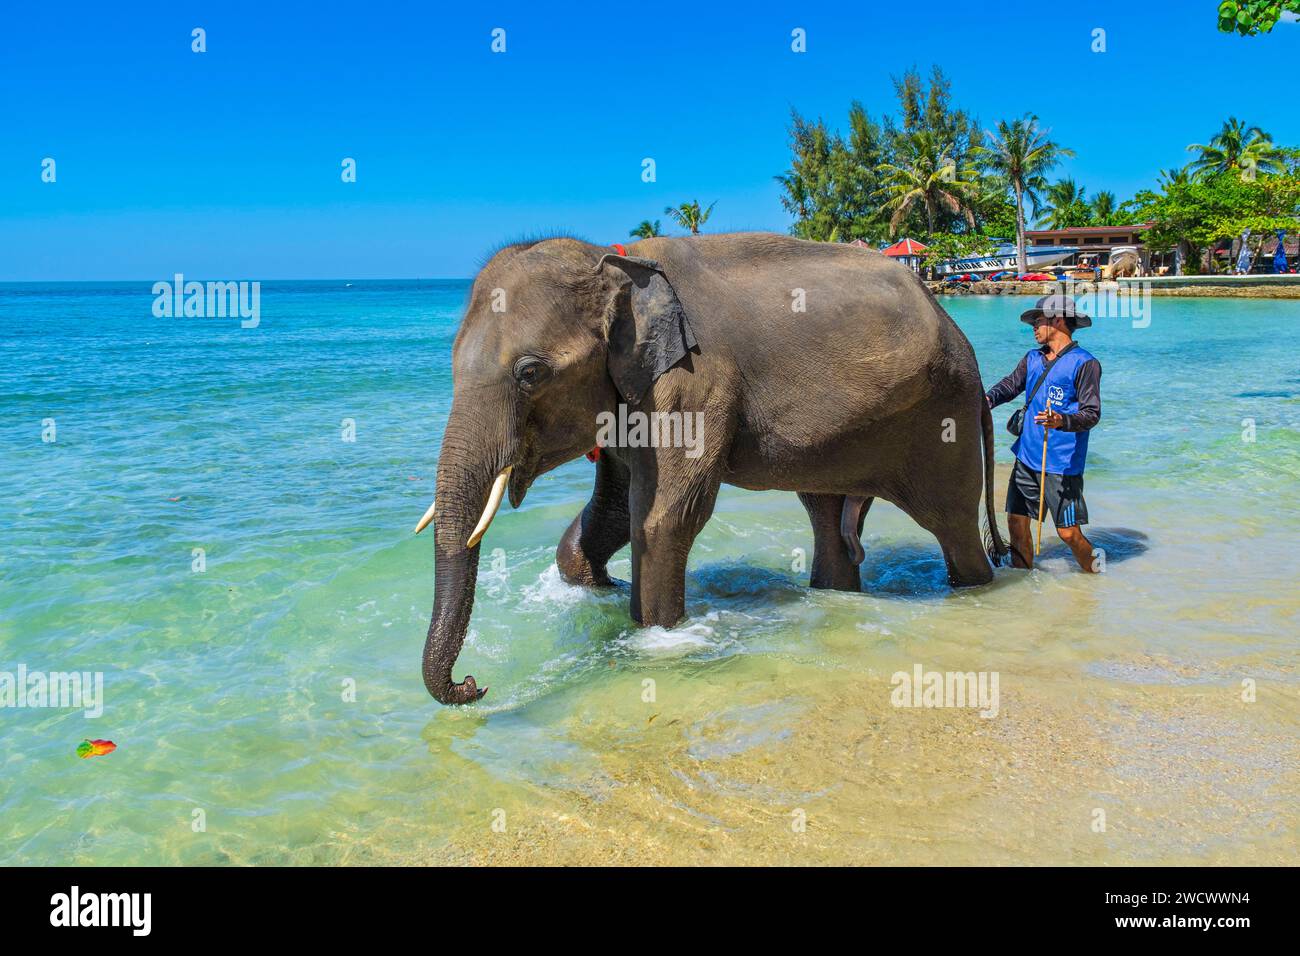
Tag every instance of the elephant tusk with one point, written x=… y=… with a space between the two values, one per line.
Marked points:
x=428 y=517
x=490 y=510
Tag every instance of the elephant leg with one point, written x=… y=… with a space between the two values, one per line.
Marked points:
x=599 y=530
x=963 y=552
x=662 y=535
x=958 y=533
x=942 y=494
x=832 y=565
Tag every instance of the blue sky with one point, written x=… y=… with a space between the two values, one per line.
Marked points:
x=226 y=164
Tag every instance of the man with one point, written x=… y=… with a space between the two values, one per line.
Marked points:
x=1073 y=387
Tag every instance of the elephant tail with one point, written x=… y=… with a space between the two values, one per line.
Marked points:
x=994 y=546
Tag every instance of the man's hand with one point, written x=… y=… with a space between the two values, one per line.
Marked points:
x=1050 y=419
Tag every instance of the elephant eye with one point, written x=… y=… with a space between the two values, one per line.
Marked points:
x=529 y=371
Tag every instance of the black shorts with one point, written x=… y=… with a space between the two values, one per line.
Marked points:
x=1064 y=496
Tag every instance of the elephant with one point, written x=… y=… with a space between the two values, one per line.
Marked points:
x=818 y=368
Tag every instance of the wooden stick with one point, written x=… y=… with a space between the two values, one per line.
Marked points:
x=1042 y=486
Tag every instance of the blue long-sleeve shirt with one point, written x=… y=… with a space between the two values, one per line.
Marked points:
x=1074 y=387
x=1087 y=385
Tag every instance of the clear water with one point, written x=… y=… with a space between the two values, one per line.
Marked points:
x=227 y=690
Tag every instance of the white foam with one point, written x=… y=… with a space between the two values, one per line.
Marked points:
x=673 y=641
x=550 y=588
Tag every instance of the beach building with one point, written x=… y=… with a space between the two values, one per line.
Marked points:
x=1094 y=244
x=907 y=251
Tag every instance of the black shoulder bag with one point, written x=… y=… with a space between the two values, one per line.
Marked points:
x=1016 y=423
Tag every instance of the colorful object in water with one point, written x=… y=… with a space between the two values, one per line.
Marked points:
x=95 y=748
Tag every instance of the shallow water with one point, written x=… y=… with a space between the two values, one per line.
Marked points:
x=767 y=733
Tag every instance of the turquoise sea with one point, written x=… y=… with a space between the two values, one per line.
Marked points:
x=265 y=694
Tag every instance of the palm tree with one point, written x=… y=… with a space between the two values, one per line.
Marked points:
x=1237 y=147
x=646 y=230
x=689 y=215
x=796 y=196
x=1173 y=177
x=925 y=174
x=1103 y=209
x=1022 y=153
x=1067 y=206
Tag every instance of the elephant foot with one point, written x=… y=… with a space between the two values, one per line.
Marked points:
x=575 y=565
x=576 y=568
x=968 y=564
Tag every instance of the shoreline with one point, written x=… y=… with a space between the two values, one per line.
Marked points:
x=1216 y=287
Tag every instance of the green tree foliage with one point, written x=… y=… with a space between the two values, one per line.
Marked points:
x=843 y=187
x=1194 y=214
x=931 y=147
x=1066 y=206
x=928 y=172
x=1247 y=151
x=995 y=212
x=1252 y=17
x=1020 y=152
x=1173 y=177
x=924 y=175
x=646 y=230
x=689 y=215
x=929 y=109
x=832 y=181
x=1103 y=211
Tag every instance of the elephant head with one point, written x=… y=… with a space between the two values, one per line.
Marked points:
x=555 y=332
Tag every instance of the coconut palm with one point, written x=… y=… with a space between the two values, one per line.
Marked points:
x=1103 y=209
x=1173 y=177
x=925 y=173
x=646 y=230
x=1236 y=147
x=689 y=215
x=1021 y=152
x=1066 y=206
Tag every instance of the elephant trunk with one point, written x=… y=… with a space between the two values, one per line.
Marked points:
x=469 y=478
x=456 y=571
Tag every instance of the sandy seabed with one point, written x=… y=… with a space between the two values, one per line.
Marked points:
x=1182 y=775
x=1105 y=750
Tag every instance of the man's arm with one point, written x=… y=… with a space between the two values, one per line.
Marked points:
x=1087 y=388
x=1009 y=387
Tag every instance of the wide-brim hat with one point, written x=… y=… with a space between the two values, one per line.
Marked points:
x=1057 y=306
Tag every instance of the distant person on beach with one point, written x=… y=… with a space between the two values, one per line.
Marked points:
x=1073 y=386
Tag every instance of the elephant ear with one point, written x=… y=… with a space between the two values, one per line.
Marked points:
x=650 y=332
